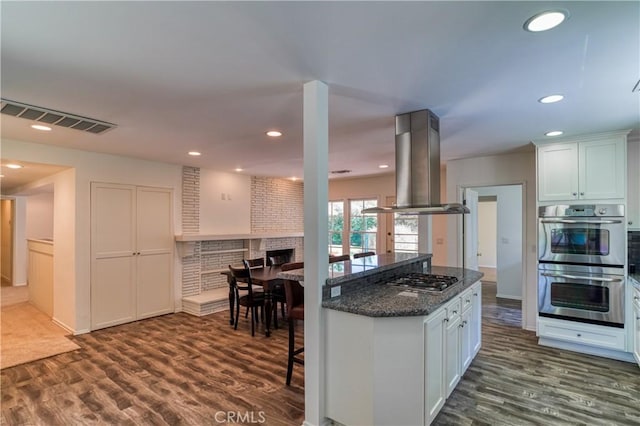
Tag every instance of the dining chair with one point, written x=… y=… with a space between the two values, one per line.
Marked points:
x=363 y=254
x=339 y=258
x=295 y=311
x=292 y=265
x=278 y=260
x=252 y=300
x=255 y=263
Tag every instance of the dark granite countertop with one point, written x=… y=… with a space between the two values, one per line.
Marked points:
x=358 y=268
x=381 y=300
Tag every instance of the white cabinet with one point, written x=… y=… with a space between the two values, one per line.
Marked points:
x=585 y=335
x=131 y=253
x=434 y=338
x=636 y=323
x=633 y=185
x=452 y=339
x=589 y=169
x=398 y=370
x=475 y=325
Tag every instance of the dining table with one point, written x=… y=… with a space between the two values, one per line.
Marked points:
x=261 y=276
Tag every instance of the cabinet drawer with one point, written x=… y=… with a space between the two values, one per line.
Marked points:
x=586 y=334
x=454 y=309
x=466 y=298
x=635 y=296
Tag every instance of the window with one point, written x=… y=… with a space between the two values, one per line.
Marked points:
x=405 y=231
x=336 y=227
x=363 y=227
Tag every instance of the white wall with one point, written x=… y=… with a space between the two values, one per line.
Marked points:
x=487 y=233
x=509 y=268
x=72 y=215
x=39 y=214
x=508 y=169
x=225 y=203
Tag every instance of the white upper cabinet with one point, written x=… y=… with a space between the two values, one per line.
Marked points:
x=590 y=169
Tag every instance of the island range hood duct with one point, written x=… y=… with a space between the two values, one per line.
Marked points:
x=418 y=167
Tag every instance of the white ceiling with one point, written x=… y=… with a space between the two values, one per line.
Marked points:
x=214 y=76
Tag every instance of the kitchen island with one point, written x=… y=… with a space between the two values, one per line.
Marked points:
x=395 y=355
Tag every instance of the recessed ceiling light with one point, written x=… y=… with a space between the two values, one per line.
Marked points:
x=554 y=133
x=294 y=178
x=545 y=20
x=41 y=127
x=274 y=133
x=551 y=99
x=194 y=153
x=14 y=166
x=383 y=166
x=238 y=169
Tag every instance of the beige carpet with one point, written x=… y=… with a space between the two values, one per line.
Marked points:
x=28 y=335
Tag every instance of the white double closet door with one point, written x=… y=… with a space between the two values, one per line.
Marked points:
x=131 y=253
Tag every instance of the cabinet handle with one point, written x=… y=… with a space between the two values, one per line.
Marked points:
x=446 y=320
x=464 y=323
x=630 y=222
x=468 y=301
x=461 y=325
x=574 y=194
x=636 y=298
x=455 y=312
x=579 y=335
x=582 y=193
x=475 y=294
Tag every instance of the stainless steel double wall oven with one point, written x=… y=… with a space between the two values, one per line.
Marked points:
x=581 y=263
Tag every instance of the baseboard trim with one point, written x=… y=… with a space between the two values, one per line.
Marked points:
x=507 y=296
x=63 y=325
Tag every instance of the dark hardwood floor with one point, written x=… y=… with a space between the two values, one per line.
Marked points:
x=175 y=369
x=513 y=381
x=179 y=369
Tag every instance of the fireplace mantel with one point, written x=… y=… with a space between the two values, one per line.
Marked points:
x=223 y=237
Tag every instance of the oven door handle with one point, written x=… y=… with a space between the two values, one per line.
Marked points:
x=578 y=277
x=578 y=222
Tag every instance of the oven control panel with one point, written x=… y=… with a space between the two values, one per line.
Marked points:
x=582 y=210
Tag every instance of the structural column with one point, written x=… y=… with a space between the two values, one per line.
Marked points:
x=316 y=257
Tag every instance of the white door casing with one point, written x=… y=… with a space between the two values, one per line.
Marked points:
x=470 y=230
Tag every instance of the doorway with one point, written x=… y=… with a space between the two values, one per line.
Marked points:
x=500 y=245
x=487 y=236
x=6 y=229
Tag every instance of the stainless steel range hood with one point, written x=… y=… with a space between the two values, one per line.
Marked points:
x=418 y=167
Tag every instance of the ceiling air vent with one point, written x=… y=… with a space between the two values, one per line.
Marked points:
x=57 y=118
x=340 y=172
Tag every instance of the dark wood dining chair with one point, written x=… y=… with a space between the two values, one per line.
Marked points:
x=363 y=254
x=339 y=258
x=278 y=260
x=255 y=263
x=292 y=265
x=252 y=300
x=295 y=312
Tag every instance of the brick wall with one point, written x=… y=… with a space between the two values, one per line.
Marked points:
x=190 y=200
x=276 y=206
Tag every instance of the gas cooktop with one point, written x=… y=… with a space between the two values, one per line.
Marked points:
x=424 y=282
